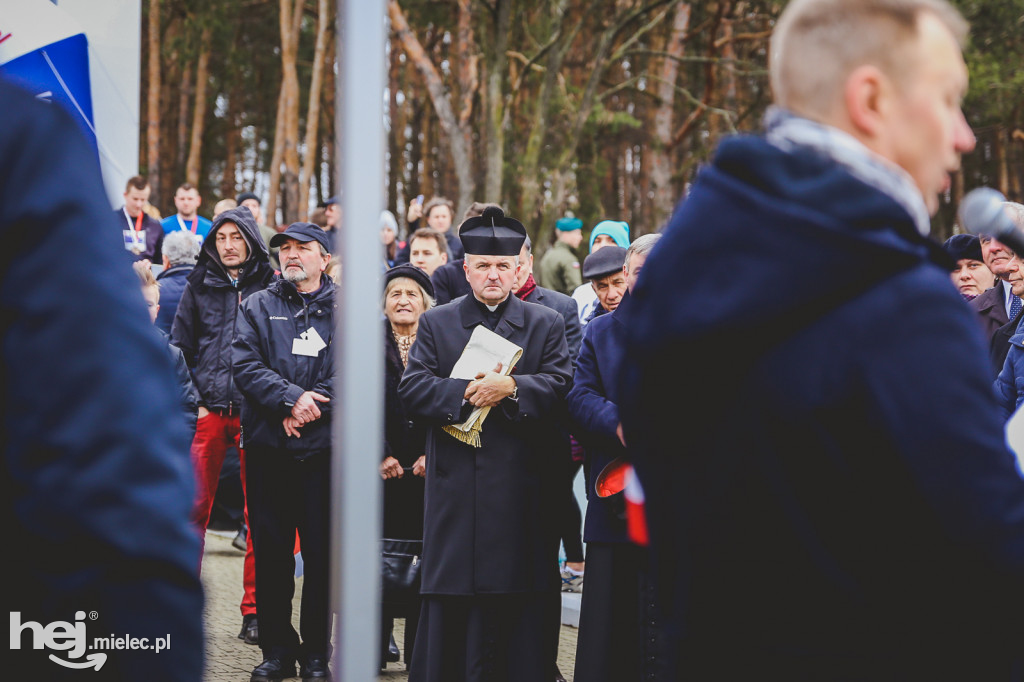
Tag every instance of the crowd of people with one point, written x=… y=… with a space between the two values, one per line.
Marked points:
x=790 y=426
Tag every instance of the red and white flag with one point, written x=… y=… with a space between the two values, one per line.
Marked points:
x=636 y=514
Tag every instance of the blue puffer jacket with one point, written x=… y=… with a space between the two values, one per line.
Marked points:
x=1010 y=382
x=808 y=402
x=271 y=377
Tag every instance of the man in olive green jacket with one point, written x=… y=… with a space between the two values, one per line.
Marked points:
x=559 y=268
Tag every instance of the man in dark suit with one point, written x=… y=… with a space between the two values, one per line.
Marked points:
x=527 y=289
x=995 y=305
x=1000 y=307
x=618 y=637
x=488 y=559
x=569 y=519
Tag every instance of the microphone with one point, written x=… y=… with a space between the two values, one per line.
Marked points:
x=982 y=213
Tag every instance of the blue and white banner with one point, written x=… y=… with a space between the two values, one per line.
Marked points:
x=82 y=55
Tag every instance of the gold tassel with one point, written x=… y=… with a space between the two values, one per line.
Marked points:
x=471 y=437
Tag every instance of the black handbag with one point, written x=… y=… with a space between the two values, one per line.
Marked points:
x=400 y=570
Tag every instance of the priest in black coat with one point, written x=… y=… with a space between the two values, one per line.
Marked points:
x=489 y=558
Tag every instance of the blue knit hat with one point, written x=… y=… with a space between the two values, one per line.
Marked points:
x=568 y=224
x=616 y=229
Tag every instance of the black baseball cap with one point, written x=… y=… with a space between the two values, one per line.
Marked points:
x=302 y=232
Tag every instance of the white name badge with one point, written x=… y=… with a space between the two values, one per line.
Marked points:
x=309 y=344
x=134 y=241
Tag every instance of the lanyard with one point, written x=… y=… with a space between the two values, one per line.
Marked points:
x=195 y=222
x=138 y=221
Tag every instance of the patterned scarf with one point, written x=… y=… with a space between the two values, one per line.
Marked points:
x=786 y=130
x=404 y=344
x=528 y=286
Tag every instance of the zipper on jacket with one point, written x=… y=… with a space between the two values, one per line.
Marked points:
x=231 y=371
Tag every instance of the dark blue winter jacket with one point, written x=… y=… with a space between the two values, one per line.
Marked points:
x=809 y=404
x=1010 y=382
x=172 y=285
x=98 y=485
x=594 y=407
x=271 y=377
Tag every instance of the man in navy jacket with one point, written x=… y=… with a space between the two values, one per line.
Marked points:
x=835 y=499
x=97 y=489
x=284 y=367
x=618 y=637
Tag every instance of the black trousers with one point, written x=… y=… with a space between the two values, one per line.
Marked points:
x=286 y=495
x=571 y=522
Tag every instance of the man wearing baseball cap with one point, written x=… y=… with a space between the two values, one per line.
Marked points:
x=283 y=367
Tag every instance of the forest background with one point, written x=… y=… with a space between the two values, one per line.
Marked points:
x=607 y=108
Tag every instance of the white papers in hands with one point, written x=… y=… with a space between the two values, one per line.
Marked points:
x=483 y=353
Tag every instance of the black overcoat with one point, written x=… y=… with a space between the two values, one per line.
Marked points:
x=488 y=514
x=404 y=440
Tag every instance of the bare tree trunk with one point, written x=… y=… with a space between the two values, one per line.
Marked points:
x=494 y=120
x=183 y=101
x=199 y=117
x=274 y=187
x=327 y=112
x=456 y=129
x=999 y=151
x=660 y=152
x=529 y=176
x=231 y=144
x=291 y=22
x=396 y=134
x=313 y=110
x=153 y=103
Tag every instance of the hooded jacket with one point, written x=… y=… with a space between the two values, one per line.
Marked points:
x=271 y=376
x=809 y=406
x=204 y=324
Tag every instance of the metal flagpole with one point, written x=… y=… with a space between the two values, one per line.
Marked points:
x=358 y=427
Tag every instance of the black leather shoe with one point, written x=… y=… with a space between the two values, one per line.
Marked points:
x=239 y=541
x=250 y=630
x=272 y=670
x=393 y=654
x=314 y=668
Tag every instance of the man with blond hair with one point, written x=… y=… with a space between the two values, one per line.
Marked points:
x=187 y=219
x=837 y=501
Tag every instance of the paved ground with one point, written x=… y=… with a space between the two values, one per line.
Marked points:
x=228 y=659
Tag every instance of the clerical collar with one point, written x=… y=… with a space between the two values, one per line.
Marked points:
x=492 y=314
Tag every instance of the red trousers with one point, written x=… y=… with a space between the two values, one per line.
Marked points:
x=214 y=434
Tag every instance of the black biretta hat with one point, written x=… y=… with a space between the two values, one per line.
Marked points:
x=604 y=261
x=412 y=272
x=492 y=234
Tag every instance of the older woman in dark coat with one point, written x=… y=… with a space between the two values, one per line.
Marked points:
x=407 y=294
